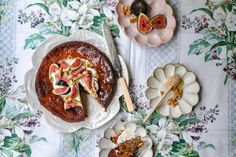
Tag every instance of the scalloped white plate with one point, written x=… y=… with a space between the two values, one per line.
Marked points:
x=157 y=83
x=96 y=117
x=156 y=37
x=106 y=145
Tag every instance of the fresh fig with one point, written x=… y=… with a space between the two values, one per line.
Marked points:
x=61 y=90
x=64 y=65
x=78 y=71
x=53 y=69
x=76 y=64
x=139 y=6
x=87 y=77
x=74 y=91
x=144 y=25
x=159 y=22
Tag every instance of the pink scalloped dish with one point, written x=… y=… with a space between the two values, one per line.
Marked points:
x=148 y=22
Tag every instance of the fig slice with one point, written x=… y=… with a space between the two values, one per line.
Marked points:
x=68 y=74
x=74 y=91
x=64 y=65
x=144 y=25
x=61 y=90
x=87 y=77
x=76 y=64
x=54 y=68
x=159 y=22
x=89 y=83
x=78 y=71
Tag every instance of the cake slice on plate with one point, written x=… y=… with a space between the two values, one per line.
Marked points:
x=127 y=148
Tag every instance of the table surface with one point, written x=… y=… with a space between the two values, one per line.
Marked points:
x=204 y=42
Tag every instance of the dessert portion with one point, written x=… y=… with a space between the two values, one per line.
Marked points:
x=127 y=148
x=127 y=144
x=138 y=12
x=125 y=139
x=68 y=73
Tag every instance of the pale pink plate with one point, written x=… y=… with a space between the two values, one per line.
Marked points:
x=156 y=37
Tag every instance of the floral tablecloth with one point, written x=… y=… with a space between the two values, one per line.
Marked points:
x=204 y=41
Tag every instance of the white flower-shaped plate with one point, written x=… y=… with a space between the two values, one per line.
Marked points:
x=156 y=37
x=96 y=116
x=157 y=83
x=106 y=145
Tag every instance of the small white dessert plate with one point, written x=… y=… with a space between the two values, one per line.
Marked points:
x=106 y=144
x=156 y=37
x=157 y=83
x=96 y=116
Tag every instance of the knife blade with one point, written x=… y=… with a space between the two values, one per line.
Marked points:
x=112 y=48
x=117 y=66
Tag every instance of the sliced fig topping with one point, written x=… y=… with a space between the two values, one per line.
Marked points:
x=71 y=104
x=89 y=83
x=68 y=92
x=76 y=64
x=78 y=71
x=61 y=90
x=53 y=69
x=87 y=77
x=64 y=65
x=74 y=91
x=67 y=78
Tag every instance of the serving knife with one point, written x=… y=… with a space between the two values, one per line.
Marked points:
x=117 y=66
